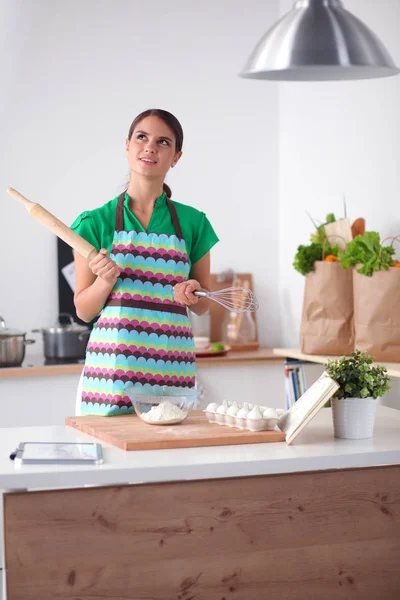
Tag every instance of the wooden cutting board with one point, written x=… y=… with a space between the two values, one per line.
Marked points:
x=131 y=433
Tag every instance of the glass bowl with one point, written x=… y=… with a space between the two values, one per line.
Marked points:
x=166 y=405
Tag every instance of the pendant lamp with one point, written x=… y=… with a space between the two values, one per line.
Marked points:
x=318 y=40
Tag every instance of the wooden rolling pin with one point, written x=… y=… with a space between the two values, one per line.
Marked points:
x=56 y=226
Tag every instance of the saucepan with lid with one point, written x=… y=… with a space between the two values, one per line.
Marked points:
x=12 y=346
x=65 y=340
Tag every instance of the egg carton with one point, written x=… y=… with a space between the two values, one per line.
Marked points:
x=243 y=416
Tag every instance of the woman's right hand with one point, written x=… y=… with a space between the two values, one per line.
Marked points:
x=103 y=266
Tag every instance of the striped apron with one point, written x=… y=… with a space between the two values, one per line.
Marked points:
x=143 y=337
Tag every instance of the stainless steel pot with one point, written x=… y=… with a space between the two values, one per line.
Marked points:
x=12 y=346
x=67 y=341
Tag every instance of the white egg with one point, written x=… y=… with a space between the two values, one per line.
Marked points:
x=255 y=414
x=270 y=413
x=243 y=412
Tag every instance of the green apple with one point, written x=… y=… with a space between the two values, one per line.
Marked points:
x=217 y=347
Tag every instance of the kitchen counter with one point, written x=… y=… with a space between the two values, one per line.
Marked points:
x=319 y=518
x=315 y=450
x=392 y=368
x=38 y=366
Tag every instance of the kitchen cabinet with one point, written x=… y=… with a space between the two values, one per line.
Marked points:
x=317 y=519
x=45 y=394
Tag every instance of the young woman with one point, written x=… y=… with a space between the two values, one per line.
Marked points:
x=153 y=253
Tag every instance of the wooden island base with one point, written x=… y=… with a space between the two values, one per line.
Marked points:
x=326 y=535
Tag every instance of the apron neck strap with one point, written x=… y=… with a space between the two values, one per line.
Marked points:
x=119 y=221
x=175 y=219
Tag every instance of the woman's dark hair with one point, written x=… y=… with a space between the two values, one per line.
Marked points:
x=169 y=120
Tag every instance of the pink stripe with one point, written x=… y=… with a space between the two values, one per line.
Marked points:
x=172 y=279
x=120 y=373
x=110 y=397
x=145 y=325
x=171 y=252
x=89 y=371
x=127 y=296
x=171 y=355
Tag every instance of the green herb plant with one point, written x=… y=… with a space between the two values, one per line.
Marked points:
x=357 y=378
x=366 y=250
x=306 y=256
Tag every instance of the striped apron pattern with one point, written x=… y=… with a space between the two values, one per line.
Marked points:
x=142 y=337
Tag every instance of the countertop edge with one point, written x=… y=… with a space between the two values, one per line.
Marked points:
x=317 y=450
x=172 y=473
x=242 y=358
x=393 y=369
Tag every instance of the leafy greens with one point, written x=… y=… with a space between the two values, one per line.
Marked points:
x=306 y=256
x=367 y=252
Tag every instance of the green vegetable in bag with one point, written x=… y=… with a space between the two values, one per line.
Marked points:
x=366 y=250
x=306 y=256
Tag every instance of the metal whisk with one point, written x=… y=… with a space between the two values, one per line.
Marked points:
x=235 y=299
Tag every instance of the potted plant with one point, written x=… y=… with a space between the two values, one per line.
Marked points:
x=354 y=404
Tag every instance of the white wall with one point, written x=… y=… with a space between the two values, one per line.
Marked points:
x=338 y=138
x=257 y=154
x=335 y=139
x=74 y=76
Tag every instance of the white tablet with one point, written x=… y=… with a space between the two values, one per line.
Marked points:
x=67 y=453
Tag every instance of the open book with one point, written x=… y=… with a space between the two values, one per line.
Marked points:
x=307 y=406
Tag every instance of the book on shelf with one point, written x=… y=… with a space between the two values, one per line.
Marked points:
x=295 y=382
x=306 y=407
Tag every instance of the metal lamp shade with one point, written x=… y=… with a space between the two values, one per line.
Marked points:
x=318 y=40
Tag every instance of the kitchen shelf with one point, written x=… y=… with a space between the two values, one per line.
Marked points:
x=392 y=368
x=237 y=357
x=35 y=366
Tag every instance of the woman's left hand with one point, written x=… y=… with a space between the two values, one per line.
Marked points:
x=183 y=292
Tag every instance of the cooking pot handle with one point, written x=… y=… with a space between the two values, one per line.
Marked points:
x=2 y=323
x=70 y=317
x=29 y=341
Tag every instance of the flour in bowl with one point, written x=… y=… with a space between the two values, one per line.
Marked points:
x=164 y=413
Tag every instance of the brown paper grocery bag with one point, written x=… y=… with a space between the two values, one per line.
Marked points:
x=327 y=317
x=377 y=314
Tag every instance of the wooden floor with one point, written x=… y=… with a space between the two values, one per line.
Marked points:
x=331 y=535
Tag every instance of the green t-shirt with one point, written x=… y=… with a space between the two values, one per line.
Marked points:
x=97 y=226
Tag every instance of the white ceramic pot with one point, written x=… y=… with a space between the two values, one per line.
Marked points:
x=353 y=418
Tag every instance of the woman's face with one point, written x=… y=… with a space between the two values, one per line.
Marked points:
x=151 y=149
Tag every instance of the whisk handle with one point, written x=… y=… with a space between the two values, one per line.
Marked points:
x=201 y=293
